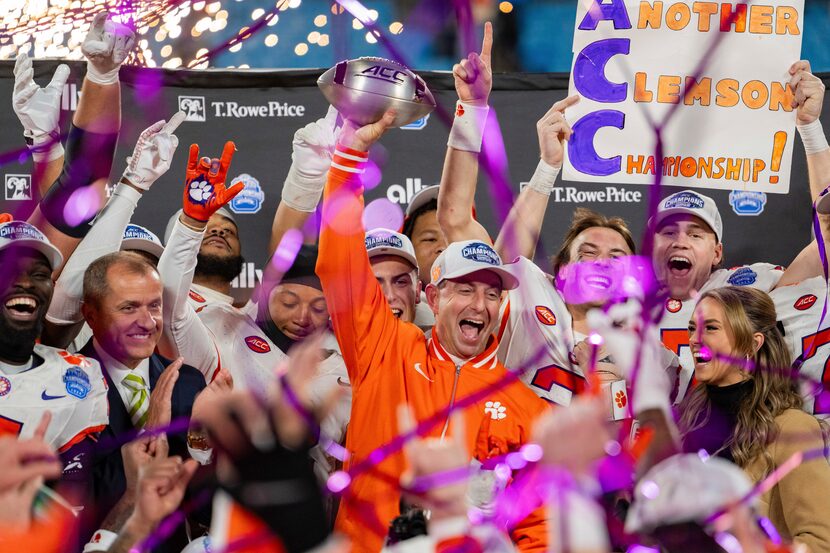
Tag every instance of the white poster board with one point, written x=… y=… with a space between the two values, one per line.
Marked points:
x=713 y=76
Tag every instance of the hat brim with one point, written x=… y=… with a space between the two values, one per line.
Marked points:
x=421 y=198
x=142 y=245
x=52 y=254
x=374 y=252
x=508 y=279
x=663 y=215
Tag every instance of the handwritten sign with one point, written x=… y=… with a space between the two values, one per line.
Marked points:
x=711 y=75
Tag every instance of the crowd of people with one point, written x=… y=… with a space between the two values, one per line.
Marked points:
x=400 y=389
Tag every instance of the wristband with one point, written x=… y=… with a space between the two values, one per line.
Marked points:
x=44 y=147
x=619 y=401
x=349 y=160
x=101 y=541
x=468 y=127
x=812 y=135
x=302 y=193
x=110 y=77
x=544 y=178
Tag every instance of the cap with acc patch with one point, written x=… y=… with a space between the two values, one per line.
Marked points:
x=381 y=241
x=689 y=202
x=22 y=234
x=139 y=238
x=469 y=256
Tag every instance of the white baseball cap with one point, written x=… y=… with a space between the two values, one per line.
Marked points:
x=685 y=488
x=139 y=238
x=223 y=211
x=381 y=241
x=469 y=256
x=22 y=234
x=691 y=203
x=423 y=196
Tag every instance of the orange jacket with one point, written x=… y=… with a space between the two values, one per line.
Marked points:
x=391 y=362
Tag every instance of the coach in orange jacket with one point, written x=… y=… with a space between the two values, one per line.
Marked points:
x=391 y=362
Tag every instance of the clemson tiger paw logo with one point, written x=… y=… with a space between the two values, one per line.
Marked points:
x=496 y=410
x=200 y=191
x=620 y=399
x=459 y=111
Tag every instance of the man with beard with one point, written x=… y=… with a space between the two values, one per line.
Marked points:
x=35 y=378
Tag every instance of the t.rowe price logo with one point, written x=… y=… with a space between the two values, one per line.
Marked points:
x=399 y=194
x=193 y=107
x=271 y=109
x=257 y=344
x=611 y=194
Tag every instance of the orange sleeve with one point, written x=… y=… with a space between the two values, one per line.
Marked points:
x=531 y=533
x=361 y=318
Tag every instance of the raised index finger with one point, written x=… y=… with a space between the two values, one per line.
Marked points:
x=487 y=43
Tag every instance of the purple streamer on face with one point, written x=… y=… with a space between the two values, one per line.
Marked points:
x=598 y=282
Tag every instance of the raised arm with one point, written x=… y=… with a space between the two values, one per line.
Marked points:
x=361 y=318
x=184 y=333
x=150 y=159
x=90 y=145
x=473 y=82
x=809 y=98
x=520 y=231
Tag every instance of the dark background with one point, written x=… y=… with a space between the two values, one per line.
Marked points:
x=264 y=151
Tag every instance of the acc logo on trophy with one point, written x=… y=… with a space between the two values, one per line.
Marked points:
x=193 y=107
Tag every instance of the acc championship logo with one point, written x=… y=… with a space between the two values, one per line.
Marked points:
x=747 y=203
x=251 y=198
x=545 y=315
x=743 y=277
x=684 y=199
x=77 y=382
x=5 y=386
x=383 y=73
x=383 y=241
x=193 y=107
x=16 y=230
x=18 y=187
x=481 y=253
x=257 y=344
x=418 y=124
x=805 y=302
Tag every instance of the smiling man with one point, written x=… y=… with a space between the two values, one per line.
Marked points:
x=35 y=378
x=396 y=269
x=391 y=361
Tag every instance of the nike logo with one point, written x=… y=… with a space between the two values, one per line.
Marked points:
x=46 y=397
x=420 y=371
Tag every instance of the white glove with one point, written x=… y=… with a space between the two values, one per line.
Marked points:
x=652 y=386
x=38 y=108
x=106 y=46
x=153 y=153
x=310 y=161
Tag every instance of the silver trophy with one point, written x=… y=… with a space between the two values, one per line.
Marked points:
x=363 y=89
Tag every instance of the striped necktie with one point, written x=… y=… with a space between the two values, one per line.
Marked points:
x=139 y=399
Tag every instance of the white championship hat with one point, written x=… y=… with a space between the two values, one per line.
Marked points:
x=381 y=241
x=22 y=234
x=139 y=238
x=421 y=197
x=685 y=488
x=690 y=202
x=466 y=257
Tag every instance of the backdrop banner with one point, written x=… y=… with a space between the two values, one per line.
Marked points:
x=260 y=110
x=712 y=76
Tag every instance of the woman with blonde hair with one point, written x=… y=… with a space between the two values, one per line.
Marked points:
x=747 y=408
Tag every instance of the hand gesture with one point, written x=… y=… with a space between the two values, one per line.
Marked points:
x=106 y=46
x=161 y=486
x=160 y=411
x=809 y=92
x=23 y=460
x=582 y=426
x=139 y=453
x=313 y=146
x=204 y=190
x=37 y=108
x=446 y=460
x=153 y=153
x=219 y=386
x=361 y=139
x=473 y=76
x=553 y=130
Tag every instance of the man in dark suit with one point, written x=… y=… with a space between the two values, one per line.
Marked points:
x=122 y=305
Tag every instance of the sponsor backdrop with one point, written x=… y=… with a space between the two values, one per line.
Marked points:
x=260 y=110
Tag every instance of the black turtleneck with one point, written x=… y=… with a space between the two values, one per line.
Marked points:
x=266 y=324
x=724 y=402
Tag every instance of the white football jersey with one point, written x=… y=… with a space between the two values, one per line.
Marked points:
x=71 y=386
x=674 y=324
x=799 y=309
x=535 y=336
